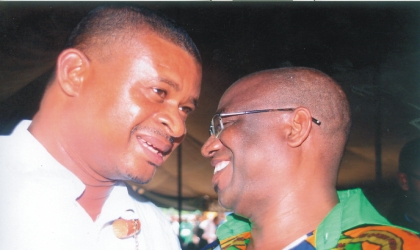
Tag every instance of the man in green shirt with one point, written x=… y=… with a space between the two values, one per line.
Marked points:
x=406 y=209
x=276 y=143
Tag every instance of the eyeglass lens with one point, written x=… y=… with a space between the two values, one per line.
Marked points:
x=217 y=125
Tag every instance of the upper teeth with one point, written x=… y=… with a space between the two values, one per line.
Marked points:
x=220 y=166
x=149 y=146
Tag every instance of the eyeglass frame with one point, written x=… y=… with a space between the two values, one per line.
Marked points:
x=212 y=130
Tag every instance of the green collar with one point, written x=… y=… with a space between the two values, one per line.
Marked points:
x=234 y=225
x=352 y=210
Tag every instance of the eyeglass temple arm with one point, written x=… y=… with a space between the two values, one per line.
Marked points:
x=317 y=122
x=254 y=111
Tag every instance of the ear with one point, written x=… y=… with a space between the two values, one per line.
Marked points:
x=402 y=180
x=300 y=127
x=71 y=68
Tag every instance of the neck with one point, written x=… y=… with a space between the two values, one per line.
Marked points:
x=47 y=132
x=93 y=199
x=291 y=213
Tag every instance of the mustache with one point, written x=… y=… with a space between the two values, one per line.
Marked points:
x=154 y=131
x=216 y=188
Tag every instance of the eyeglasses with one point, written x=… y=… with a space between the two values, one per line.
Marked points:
x=216 y=126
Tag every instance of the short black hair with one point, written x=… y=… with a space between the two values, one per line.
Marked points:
x=409 y=159
x=107 y=20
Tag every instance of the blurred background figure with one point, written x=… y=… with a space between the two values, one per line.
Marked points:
x=175 y=224
x=209 y=227
x=406 y=208
x=186 y=229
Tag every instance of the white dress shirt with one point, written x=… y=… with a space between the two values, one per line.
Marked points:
x=39 y=208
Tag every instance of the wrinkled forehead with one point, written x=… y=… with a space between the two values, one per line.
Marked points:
x=248 y=94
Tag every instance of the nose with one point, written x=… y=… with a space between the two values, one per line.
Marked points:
x=173 y=121
x=210 y=147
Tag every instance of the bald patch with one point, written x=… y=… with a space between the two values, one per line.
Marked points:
x=296 y=87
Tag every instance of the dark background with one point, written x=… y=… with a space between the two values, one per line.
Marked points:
x=371 y=49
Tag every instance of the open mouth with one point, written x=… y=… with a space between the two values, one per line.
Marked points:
x=150 y=147
x=220 y=166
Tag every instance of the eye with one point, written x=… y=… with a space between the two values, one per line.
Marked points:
x=160 y=92
x=226 y=122
x=186 y=110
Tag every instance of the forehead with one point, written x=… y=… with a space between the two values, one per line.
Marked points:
x=149 y=55
x=247 y=94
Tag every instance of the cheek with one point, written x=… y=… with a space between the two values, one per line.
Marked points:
x=118 y=119
x=258 y=149
x=245 y=156
x=133 y=111
x=137 y=106
x=126 y=111
x=252 y=147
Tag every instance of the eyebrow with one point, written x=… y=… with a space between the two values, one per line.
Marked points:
x=195 y=102
x=175 y=86
x=221 y=111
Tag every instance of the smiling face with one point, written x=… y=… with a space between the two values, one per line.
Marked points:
x=269 y=160
x=131 y=112
x=242 y=156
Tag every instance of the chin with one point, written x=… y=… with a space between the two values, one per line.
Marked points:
x=140 y=178
x=224 y=202
x=140 y=173
x=226 y=205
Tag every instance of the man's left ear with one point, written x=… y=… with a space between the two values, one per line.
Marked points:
x=71 y=69
x=300 y=127
x=403 y=181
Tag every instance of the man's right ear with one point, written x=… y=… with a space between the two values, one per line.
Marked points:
x=72 y=65
x=402 y=180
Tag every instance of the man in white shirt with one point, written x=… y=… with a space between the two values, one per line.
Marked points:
x=113 y=111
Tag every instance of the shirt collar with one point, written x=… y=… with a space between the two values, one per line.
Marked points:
x=42 y=162
x=119 y=203
x=352 y=210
